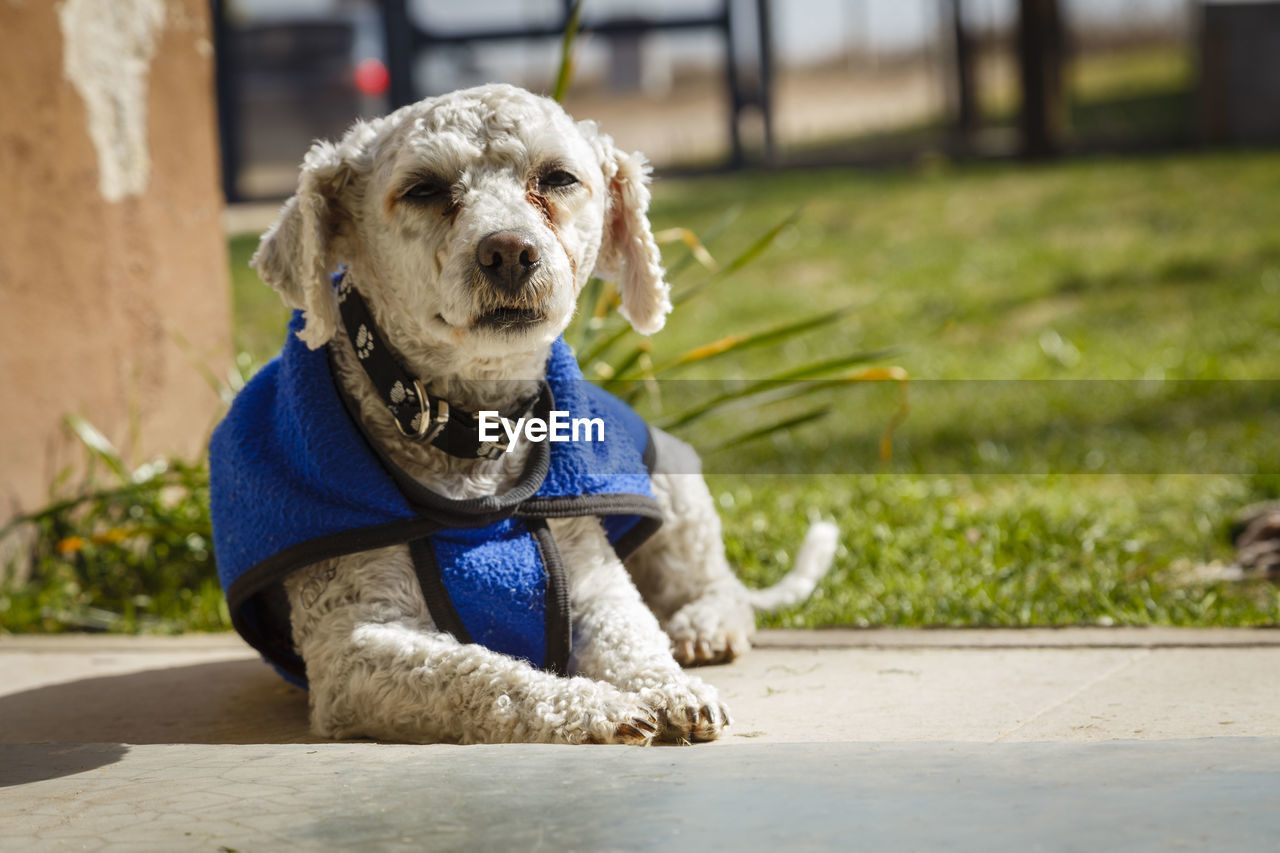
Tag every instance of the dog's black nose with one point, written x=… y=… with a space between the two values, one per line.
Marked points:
x=508 y=258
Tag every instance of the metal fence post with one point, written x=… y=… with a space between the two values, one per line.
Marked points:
x=733 y=84
x=227 y=95
x=398 y=35
x=764 y=95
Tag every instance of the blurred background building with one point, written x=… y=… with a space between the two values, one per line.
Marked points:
x=817 y=80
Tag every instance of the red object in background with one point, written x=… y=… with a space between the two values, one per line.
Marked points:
x=372 y=77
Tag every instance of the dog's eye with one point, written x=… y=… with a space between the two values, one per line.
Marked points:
x=427 y=192
x=557 y=179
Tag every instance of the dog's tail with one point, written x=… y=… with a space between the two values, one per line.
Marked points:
x=812 y=562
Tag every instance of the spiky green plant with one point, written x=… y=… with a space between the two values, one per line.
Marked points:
x=622 y=362
x=128 y=550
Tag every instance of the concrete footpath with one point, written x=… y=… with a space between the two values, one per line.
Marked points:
x=896 y=740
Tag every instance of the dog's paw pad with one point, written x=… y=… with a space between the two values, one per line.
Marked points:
x=689 y=714
x=696 y=724
x=638 y=730
x=710 y=631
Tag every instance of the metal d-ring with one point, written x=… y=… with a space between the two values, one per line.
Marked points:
x=428 y=427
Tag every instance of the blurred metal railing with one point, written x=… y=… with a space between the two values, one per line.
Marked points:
x=747 y=86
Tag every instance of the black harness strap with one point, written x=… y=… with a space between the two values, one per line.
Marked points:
x=559 y=625
x=439 y=604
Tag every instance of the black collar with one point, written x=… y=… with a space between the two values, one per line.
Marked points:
x=418 y=414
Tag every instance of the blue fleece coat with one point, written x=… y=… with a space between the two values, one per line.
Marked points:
x=293 y=481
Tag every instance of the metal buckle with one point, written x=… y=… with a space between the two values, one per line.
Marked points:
x=428 y=427
x=492 y=449
x=438 y=422
x=495 y=449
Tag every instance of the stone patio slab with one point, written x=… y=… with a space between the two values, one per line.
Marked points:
x=875 y=740
x=1195 y=794
x=844 y=686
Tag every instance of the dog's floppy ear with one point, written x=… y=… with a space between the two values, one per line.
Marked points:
x=628 y=253
x=295 y=255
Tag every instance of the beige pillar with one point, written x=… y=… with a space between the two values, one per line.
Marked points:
x=111 y=243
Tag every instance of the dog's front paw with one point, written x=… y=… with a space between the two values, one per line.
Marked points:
x=639 y=730
x=617 y=718
x=688 y=712
x=715 y=628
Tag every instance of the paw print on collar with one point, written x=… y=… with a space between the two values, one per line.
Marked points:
x=400 y=392
x=364 y=342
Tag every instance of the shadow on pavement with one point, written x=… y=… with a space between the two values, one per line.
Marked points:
x=235 y=702
x=21 y=763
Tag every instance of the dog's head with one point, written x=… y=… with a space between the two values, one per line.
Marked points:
x=470 y=222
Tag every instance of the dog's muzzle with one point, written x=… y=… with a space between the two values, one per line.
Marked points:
x=508 y=259
x=511 y=281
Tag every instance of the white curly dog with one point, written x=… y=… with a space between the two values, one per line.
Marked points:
x=406 y=203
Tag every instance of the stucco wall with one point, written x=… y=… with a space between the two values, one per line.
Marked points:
x=111 y=243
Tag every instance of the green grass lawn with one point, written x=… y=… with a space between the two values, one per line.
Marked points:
x=1163 y=268
x=1002 y=504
